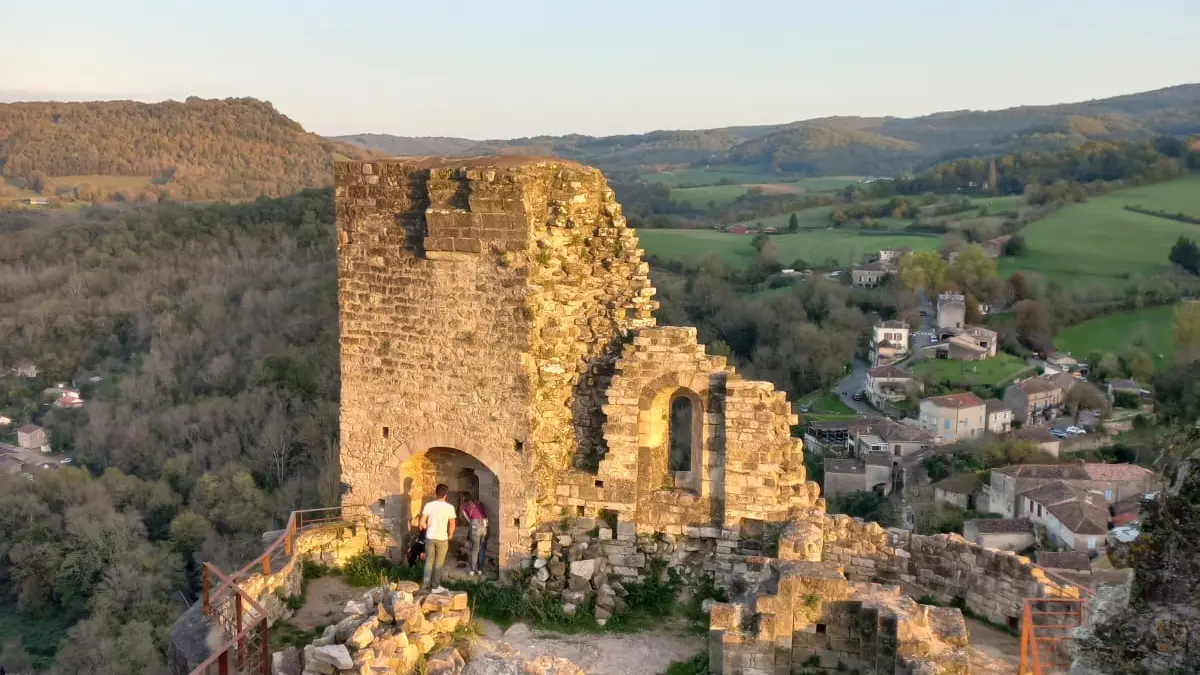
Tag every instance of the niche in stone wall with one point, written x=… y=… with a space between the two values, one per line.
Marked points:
x=673 y=432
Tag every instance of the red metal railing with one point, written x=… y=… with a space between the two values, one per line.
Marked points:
x=247 y=651
x=1047 y=629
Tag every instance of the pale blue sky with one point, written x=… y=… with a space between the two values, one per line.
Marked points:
x=524 y=67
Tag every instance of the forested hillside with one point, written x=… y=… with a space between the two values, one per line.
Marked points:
x=215 y=331
x=875 y=146
x=197 y=149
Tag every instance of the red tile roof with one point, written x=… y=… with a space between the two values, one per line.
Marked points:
x=1064 y=560
x=1002 y=525
x=1081 y=517
x=1036 y=385
x=1117 y=472
x=890 y=372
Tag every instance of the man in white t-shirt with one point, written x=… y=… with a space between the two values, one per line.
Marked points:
x=438 y=518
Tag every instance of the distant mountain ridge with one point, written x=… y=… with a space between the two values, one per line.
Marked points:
x=194 y=149
x=849 y=145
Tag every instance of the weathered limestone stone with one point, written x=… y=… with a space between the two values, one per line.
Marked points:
x=444 y=662
x=286 y=662
x=585 y=569
x=334 y=655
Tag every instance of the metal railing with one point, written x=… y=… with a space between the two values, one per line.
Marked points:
x=239 y=616
x=1048 y=626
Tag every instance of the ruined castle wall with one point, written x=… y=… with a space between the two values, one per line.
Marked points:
x=992 y=583
x=482 y=303
x=816 y=621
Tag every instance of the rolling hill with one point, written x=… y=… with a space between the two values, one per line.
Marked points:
x=852 y=145
x=195 y=149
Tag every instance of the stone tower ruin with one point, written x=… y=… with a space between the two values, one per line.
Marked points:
x=497 y=336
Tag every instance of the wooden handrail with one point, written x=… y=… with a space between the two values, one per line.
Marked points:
x=227 y=585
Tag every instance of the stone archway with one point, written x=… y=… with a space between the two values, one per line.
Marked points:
x=465 y=466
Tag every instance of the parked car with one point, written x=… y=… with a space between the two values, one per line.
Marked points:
x=858 y=396
x=1076 y=431
x=65 y=460
x=1059 y=433
x=804 y=408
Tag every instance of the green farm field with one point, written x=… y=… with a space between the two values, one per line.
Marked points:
x=1117 y=332
x=1098 y=242
x=711 y=176
x=994 y=371
x=814 y=246
x=701 y=196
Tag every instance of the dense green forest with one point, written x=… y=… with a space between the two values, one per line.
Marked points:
x=215 y=329
x=193 y=150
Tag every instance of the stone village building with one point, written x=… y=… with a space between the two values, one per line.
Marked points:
x=889 y=342
x=496 y=334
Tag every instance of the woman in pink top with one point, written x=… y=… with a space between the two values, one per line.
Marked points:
x=476 y=517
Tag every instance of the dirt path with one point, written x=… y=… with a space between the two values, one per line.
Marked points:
x=646 y=653
x=324 y=601
x=993 y=652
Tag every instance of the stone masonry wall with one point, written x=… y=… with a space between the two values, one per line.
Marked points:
x=807 y=618
x=482 y=303
x=992 y=583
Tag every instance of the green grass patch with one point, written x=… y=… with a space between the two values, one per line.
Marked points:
x=996 y=205
x=701 y=195
x=815 y=246
x=1098 y=242
x=829 y=403
x=648 y=603
x=990 y=372
x=40 y=636
x=712 y=176
x=697 y=665
x=1151 y=327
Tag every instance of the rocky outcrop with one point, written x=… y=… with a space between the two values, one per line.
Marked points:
x=391 y=631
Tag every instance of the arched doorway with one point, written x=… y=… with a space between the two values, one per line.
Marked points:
x=464 y=475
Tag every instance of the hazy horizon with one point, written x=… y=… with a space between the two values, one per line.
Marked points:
x=539 y=68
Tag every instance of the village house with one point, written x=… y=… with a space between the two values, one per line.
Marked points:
x=893 y=255
x=890 y=438
x=1128 y=390
x=837 y=436
x=1034 y=401
x=1060 y=562
x=890 y=384
x=889 y=342
x=876 y=473
x=68 y=398
x=960 y=490
x=999 y=417
x=1042 y=438
x=26 y=369
x=1128 y=510
x=954 y=417
x=1079 y=524
x=994 y=247
x=871 y=274
x=1063 y=362
x=951 y=314
x=1005 y=534
x=33 y=437
x=1113 y=481
x=843 y=476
